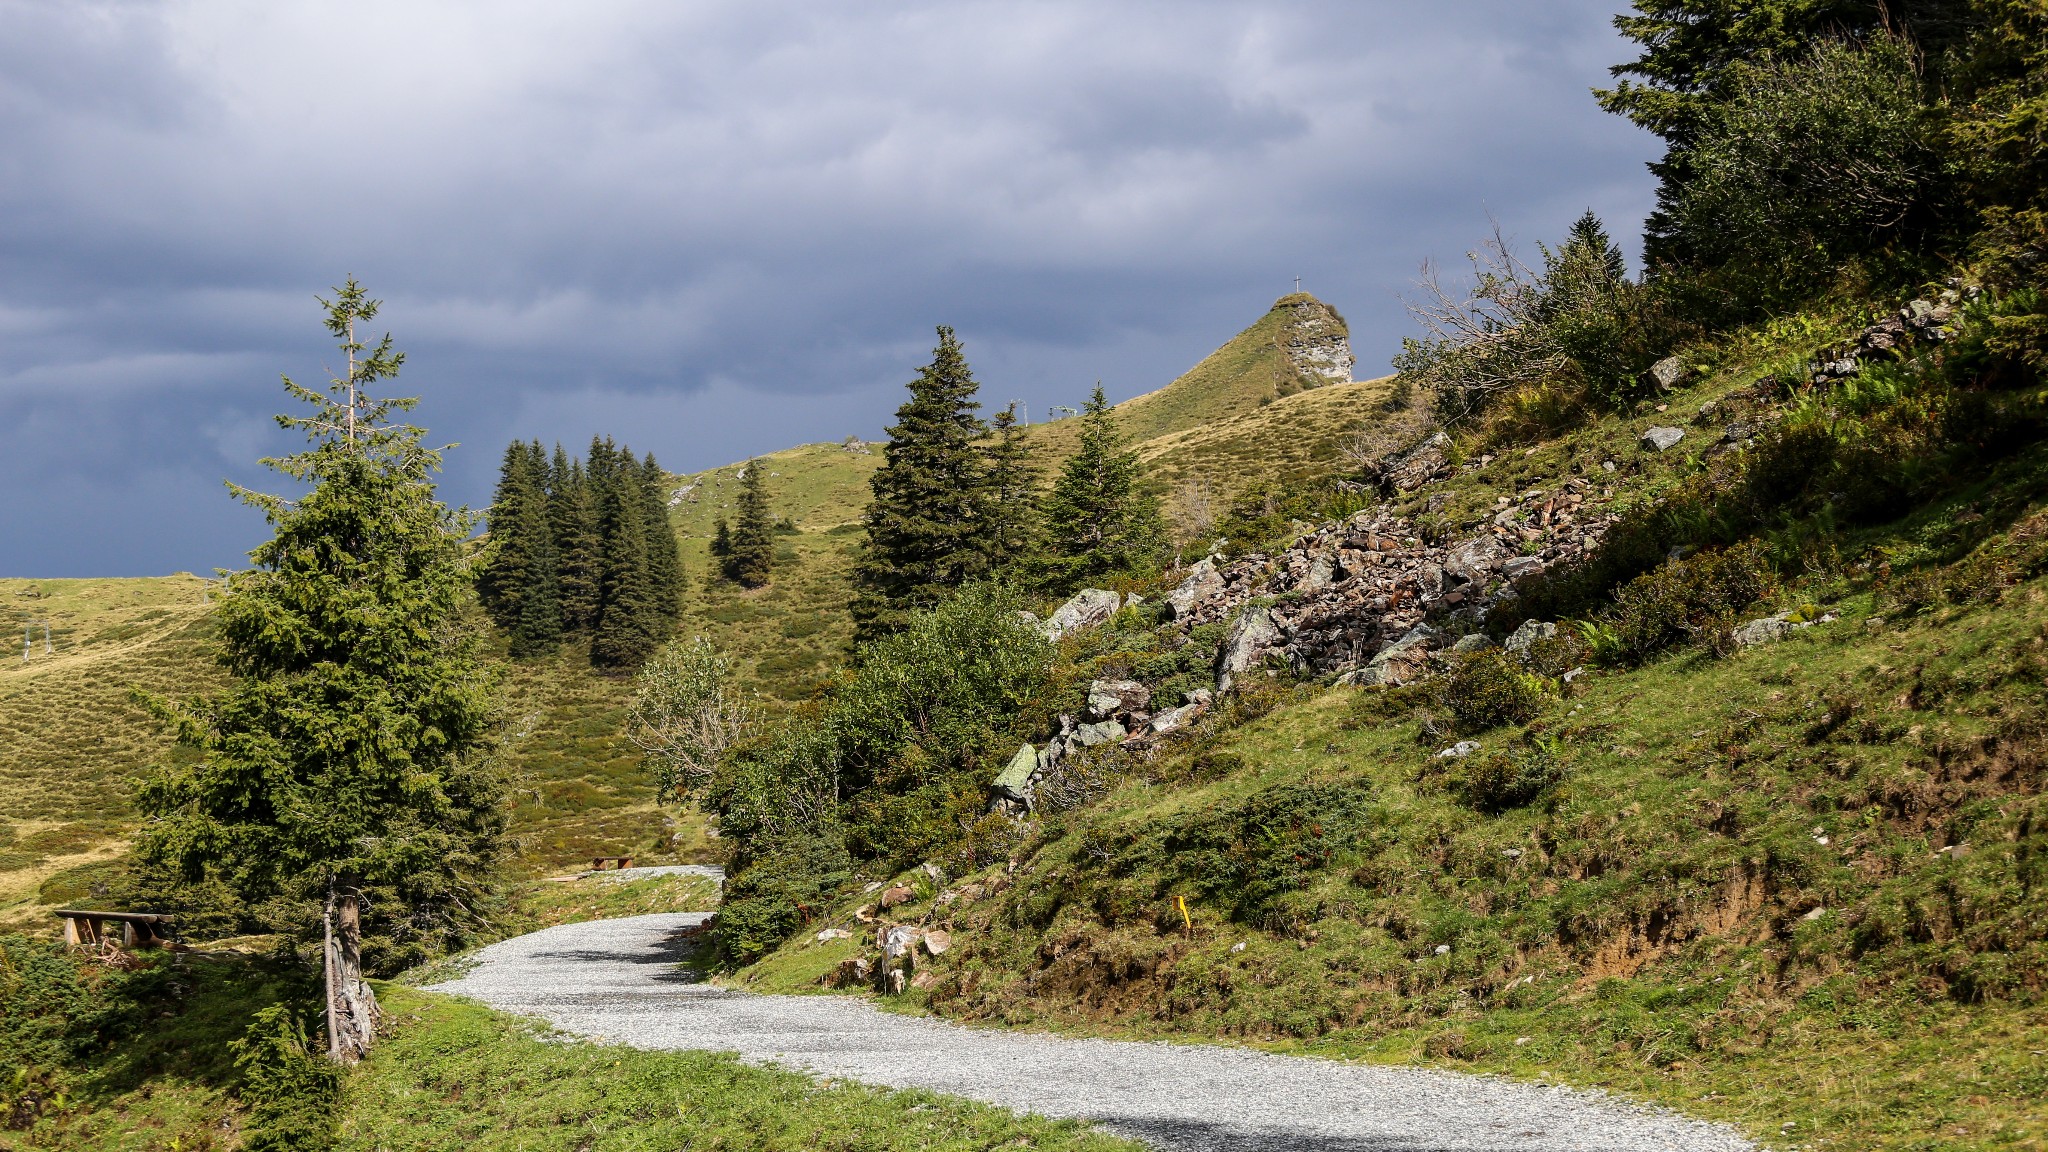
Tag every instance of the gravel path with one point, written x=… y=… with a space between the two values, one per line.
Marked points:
x=708 y=871
x=617 y=980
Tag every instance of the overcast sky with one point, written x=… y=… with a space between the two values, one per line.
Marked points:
x=714 y=229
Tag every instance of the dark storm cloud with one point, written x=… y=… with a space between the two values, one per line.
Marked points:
x=713 y=229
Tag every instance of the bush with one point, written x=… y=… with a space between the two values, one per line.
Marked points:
x=1689 y=599
x=777 y=893
x=291 y=1090
x=1498 y=781
x=1249 y=856
x=1485 y=690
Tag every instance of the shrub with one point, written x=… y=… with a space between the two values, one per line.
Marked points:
x=777 y=893
x=290 y=1089
x=1249 y=856
x=1488 y=689
x=1689 y=599
x=1498 y=781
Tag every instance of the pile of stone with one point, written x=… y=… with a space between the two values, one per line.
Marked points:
x=1117 y=712
x=1368 y=597
x=1918 y=320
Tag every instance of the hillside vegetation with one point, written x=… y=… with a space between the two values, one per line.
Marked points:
x=1798 y=884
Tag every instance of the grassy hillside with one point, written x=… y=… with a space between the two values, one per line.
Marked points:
x=1799 y=886
x=71 y=738
x=1242 y=415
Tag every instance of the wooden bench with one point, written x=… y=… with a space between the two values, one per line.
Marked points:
x=85 y=928
x=600 y=863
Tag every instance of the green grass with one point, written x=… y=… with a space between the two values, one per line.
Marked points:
x=447 y=1074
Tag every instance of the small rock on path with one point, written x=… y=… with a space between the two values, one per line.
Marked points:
x=619 y=981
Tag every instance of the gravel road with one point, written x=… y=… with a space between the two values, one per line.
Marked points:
x=618 y=980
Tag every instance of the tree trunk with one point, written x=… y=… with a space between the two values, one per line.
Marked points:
x=351 y=1005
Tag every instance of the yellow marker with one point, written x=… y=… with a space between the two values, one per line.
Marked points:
x=1184 y=913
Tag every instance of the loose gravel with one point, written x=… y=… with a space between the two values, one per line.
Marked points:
x=621 y=981
x=708 y=871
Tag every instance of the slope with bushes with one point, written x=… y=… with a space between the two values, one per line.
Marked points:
x=1757 y=831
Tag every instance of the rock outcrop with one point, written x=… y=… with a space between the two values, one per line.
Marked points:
x=1316 y=341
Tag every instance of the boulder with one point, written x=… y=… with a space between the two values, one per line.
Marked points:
x=1472 y=561
x=923 y=980
x=1087 y=608
x=1110 y=698
x=1662 y=438
x=1668 y=373
x=1476 y=642
x=834 y=934
x=1174 y=718
x=1522 y=566
x=1251 y=638
x=898 y=939
x=852 y=971
x=1529 y=633
x=1417 y=466
x=900 y=894
x=897 y=980
x=1203 y=582
x=1772 y=628
x=1014 y=782
x=937 y=940
x=1106 y=732
x=1402 y=662
x=1459 y=751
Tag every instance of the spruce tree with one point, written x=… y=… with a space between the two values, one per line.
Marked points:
x=628 y=613
x=664 y=562
x=572 y=513
x=1013 y=531
x=503 y=573
x=345 y=756
x=929 y=509
x=721 y=541
x=1098 y=520
x=750 y=550
x=538 y=629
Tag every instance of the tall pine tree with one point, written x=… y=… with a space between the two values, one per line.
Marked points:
x=929 y=509
x=750 y=546
x=626 y=631
x=345 y=756
x=664 y=561
x=572 y=513
x=1013 y=532
x=518 y=582
x=503 y=573
x=1098 y=520
x=538 y=630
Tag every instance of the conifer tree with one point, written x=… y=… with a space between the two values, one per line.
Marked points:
x=664 y=562
x=627 y=630
x=518 y=582
x=538 y=630
x=750 y=550
x=1013 y=531
x=504 y=570
x=572 y=513
x=929 y=509
x=346 y=752
x=721 y=541
x=1098 y=521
